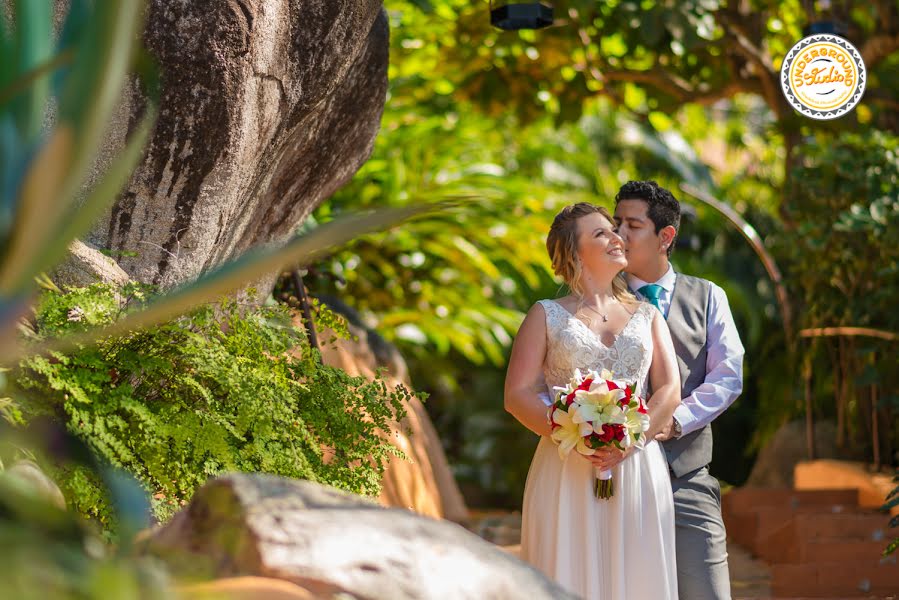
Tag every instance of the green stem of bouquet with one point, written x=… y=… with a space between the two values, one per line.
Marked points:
x=603 y=488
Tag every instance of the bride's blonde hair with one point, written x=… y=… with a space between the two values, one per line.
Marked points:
x=561 y=243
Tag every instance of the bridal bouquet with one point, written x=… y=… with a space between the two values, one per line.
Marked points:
x=594 y=411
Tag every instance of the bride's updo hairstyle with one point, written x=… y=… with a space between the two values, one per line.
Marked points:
x=561 y=243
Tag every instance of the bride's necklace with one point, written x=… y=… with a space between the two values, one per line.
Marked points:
x=605 y=316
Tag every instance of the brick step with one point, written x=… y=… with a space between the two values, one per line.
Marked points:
x=802 y=535
x=746 y=499
x=752 y=528
x=829 y=551
x=840 y=579
x=856 y=525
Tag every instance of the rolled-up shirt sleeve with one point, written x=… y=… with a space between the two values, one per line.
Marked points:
x=724 y=368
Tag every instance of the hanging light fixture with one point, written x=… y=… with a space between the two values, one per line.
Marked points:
x=823 y=18
x=520 y=15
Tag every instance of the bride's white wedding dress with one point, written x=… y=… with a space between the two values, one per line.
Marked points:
x=615 y=549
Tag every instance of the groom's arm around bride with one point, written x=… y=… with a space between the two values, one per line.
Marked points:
x=710 y=359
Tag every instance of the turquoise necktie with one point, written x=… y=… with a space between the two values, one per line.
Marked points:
x=652 y=292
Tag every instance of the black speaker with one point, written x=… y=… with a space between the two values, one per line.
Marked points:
x=520 y=15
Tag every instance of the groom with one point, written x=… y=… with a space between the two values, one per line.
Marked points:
x=710 y=357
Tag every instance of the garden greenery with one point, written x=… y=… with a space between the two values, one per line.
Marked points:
x=225 y=388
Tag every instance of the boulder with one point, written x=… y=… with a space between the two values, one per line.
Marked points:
x=266 y=108
x=247 y=588
x=328 y=542
x=32 y=477
x=85 y=265
x=777 y=460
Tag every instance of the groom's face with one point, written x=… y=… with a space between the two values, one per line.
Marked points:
x=641 y=242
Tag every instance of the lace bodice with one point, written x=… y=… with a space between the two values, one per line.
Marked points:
x=571 y=344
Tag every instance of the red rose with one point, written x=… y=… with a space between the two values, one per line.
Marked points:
x=569 y=399
x=585 y=385
x=611 y=384
x=608 y=433
x=619 y=432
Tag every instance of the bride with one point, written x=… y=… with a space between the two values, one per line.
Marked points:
x=623 y=547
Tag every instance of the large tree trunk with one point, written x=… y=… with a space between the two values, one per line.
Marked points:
x=267 y=107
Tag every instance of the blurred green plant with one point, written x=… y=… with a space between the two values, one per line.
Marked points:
x=55 y=553
x=42 y=170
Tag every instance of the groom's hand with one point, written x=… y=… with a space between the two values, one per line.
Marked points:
x=667 y=432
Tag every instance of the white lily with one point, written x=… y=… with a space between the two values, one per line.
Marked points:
x=570 y=434
x=595 y=405
x=636 y=423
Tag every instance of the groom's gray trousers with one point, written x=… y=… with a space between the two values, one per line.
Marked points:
x=702 y=572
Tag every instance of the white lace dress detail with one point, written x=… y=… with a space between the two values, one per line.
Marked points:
x=616 y=549
x=572 y=344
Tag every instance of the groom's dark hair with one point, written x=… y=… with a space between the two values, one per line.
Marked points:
x=663 y=208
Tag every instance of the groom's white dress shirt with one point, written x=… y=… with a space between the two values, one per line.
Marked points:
x=724 y=362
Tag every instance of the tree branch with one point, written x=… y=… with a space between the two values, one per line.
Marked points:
x=734 y=29
x=877 y=48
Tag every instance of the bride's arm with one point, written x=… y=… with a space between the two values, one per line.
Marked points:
x=664 y=376
x=524 y=377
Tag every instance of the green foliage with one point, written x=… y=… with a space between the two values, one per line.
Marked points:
x=222 y=389
x=648 y=57
x=843 y=267
x=846 y=206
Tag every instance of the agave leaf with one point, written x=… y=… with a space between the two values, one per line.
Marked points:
x=7 y=72
x=33 y=47
x=100 y=70
x=77 y=20
x=229 y=277
x=82 y=217
x=37 y=198
x=890 y=504
x=11 y=152
x=24 y=81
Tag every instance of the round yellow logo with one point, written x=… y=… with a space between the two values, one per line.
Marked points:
x=823 y=76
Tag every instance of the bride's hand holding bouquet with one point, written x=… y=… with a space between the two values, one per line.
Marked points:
x=593 y=412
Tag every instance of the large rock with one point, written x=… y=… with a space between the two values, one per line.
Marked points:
x=267 y=107
x=777 y=460
x=328 y=541
x=85 y=265
x=33 y=478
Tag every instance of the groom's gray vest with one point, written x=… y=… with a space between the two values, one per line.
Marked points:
x=687 y=322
